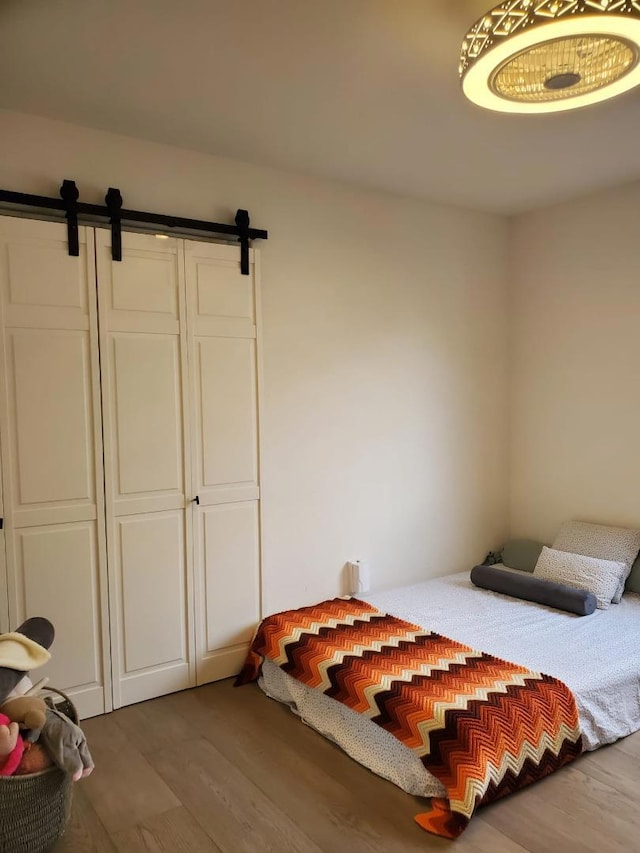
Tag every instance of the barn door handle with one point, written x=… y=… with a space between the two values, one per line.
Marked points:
x=196 y=500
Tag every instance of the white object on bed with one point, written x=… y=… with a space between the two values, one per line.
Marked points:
x=602 y=542
x=596 y=656
x=601 y=577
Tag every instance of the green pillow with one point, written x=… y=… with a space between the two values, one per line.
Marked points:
x=633 y=581
x=523 y=554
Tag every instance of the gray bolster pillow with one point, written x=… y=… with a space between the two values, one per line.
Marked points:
x=529 y=588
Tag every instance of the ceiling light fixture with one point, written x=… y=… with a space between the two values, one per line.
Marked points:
x=542 y=56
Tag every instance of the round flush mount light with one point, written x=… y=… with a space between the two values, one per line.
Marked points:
x=542 y=56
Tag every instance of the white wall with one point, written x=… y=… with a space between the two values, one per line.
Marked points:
x=384 y=355
x=575 y=336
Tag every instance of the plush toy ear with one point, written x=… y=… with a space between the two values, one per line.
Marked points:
x=39 y=630
x=34 y=719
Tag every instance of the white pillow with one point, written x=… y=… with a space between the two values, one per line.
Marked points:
x=605 y=543
x=601 y=577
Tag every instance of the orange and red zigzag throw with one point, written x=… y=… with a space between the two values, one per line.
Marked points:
x=482 y=726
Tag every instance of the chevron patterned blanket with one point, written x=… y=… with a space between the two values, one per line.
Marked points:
x=482 y=726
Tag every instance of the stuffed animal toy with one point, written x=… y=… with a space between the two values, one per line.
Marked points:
x=28 y=711
x=66 y=744
x=11 y=746
x=34 y=760
x=20 y=651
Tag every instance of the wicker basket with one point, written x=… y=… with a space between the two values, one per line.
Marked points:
x=34 y=809
x=60 y=702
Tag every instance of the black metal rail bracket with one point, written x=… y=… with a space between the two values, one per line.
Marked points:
x=72 y=208
x=70 y=195
x=242 y=221
x=113 y=201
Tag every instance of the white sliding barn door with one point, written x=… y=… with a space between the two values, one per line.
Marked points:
x=223 y=310
x=52 y=451
x=143 y=353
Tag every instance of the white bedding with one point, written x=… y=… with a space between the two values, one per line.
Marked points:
x=597 y=657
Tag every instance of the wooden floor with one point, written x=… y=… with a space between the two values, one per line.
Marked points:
x=224 y=769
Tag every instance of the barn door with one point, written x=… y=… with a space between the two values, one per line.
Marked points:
x=223 y=310
x=143 y=352
x=51 y=436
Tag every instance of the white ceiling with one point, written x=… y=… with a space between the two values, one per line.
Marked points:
x=364 y=91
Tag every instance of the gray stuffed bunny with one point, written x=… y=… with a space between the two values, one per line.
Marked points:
x=66 y=745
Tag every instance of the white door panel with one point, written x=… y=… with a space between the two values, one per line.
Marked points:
x=223 y=313
x=222 y=291
x=231 y=561
x=156 y=282
x=59 y=568
x=153 y=592
x=147 y=397
x=226 y=439
x=51 y=432
x=52 y=465
x=43 y=274
x=143 y=341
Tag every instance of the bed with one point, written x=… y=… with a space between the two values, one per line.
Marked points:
x=596 y=656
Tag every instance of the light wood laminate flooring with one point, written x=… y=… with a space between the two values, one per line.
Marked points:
x=225 y=770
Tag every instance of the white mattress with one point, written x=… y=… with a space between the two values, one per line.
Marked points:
x=597 y=657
